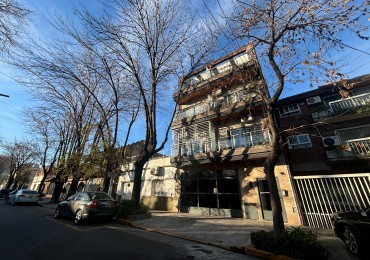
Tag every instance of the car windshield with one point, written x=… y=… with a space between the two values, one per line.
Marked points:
x=100 y=196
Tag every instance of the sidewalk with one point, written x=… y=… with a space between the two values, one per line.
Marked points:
x=223 y=232
x=227 y=232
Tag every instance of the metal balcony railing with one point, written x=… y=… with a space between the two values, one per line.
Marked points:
x=191 y=147
x=360 y=147
x=192 y=111
x=211 y=105
x=342 y=105
x=247 y=139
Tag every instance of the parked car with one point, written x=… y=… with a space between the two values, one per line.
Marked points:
x=23 y=196
x=4 y=192
x=353 y=227
x=7 y=196
x=88 y=205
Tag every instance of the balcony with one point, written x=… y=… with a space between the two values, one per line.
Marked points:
x=359 y=147
x=351 y=150
x=245 y=140
x=216 y=105
x=350 y=103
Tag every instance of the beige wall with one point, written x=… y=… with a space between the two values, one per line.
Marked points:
x=249 y=191
x=160 y=186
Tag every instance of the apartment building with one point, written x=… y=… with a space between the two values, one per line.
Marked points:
x=160 y=184
x=220 y=140
x=327 y=132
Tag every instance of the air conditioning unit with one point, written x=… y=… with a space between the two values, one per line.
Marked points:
x=313 y=100
x=330 y=141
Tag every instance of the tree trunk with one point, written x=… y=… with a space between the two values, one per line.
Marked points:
x=139 y=166
x=10 y=180
x=277 y=211
x=42 y=182
x=15 y=185
x=73 y=188
x=106 y=184
x=269 y=164
x=57 y=189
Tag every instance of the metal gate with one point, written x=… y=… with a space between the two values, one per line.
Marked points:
x=320 y=196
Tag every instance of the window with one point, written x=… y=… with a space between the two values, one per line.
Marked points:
x=289 y=110
x=299 y=141
x=353 y=133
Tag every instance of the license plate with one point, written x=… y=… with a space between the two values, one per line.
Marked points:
x=106 y=204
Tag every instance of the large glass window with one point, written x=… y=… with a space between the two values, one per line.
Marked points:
x=353 y=133
x=210 y=189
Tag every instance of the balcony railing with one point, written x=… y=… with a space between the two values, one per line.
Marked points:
x=247 y=139
x=214 y=104
x=342 y=105
x=191 y=147
x=360 y=147
x=192 y=111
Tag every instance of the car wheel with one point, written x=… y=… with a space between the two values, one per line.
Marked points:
x=78 y=217
x=351 y=240
x=57 y=213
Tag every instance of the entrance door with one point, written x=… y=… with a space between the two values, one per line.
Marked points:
x=264 y=194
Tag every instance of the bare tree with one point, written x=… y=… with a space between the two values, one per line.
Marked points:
x=46 y=129
x=4 y=166
x=74 y=65
x=293 y=39
x=153 y=42
x=12 y=18
x=22 y=154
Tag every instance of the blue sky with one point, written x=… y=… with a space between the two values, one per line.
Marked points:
x=11 y=126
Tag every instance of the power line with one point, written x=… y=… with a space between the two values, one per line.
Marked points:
x=12 y=107
x=219 y=26
x=205 y=23
x=11 y=119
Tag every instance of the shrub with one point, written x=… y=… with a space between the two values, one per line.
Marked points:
x=128 y=207
x=295 y=242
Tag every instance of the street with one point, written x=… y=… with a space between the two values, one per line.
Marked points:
x=31 y=232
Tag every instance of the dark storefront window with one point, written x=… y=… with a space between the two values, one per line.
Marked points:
x=210 y=189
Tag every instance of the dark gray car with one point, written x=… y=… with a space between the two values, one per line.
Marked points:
x=353 y=227
x=88 y=205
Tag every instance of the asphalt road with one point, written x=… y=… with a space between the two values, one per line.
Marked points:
x=31 y=232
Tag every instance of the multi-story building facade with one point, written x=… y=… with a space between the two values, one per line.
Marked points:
x=327 y=135
x=220 y=139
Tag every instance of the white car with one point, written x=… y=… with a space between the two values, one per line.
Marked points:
x=24 y=196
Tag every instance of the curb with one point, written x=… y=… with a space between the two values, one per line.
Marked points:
x=241 y=250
